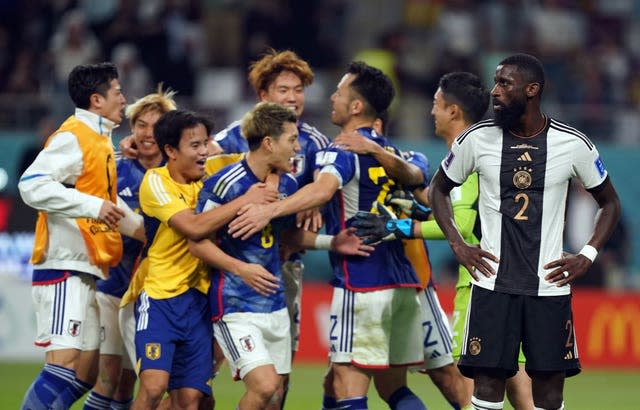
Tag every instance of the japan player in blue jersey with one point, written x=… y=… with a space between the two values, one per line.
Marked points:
x=252 y=326
x=251 y=322
x=114 y=386
x=375 y=315
x=281 y=77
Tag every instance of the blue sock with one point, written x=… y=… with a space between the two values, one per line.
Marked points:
x=71 y=394
x=121 y=405
x=44 y=390
x=404 y=399
x=354 y=403
x=96 y=401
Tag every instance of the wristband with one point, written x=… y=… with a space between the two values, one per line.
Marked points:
x=323 y=242
x=589 y=252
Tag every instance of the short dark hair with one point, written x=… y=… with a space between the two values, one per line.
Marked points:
x=467 y=91
x=168 y=129
x=529 y=65
x=266 y=119
x=87 y=79
x=373 y=85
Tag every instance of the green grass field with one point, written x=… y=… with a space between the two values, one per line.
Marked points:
x=591 y=390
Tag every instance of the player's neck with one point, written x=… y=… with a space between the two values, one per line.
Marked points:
x=531 y=127
x=151 y=161
x=356 y=123
x=258 y=164
x=456 y=129
x=177 y=175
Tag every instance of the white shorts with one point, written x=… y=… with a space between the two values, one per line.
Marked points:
x=111 y=341
x=437 y=334
x=292 y=275
x=250 y=340
x=127 y=324
x=67 y=314
x=377 y=329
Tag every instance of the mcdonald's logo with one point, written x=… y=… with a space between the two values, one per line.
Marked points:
x=617 y=325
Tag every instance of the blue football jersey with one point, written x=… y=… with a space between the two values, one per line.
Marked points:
x=363 y=183
x=228 y=293
x=310 y=139
x=130 y=174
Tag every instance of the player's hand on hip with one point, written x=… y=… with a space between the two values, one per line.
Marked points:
x=259 y=279
x=567 y=269
x=251 y=219
x=110 y=214
x=474 y=259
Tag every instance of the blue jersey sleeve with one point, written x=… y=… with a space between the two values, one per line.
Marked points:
x=231 y=140
x=338 y=162
x=421 y=161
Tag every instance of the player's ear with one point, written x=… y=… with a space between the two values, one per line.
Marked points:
x=454 y=111
x=267 y=143
x=95 y=100
x=532 y=90
x=356 y=106
x=171 y=152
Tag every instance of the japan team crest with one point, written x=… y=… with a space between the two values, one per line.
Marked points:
x=247 y=343
x=152 y=351
x=297 y=165
x=74 y=327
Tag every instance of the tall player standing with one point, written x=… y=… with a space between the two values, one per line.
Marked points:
x=525 y=161
x=72 y=183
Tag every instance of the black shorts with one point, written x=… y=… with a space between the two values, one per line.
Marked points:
x=498 y=322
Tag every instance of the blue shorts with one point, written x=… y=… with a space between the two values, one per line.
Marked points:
x=174 y=335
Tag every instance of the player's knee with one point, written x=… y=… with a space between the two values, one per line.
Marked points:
x=186 y=399
x=266 y=389
x=550 y=403
x=152 y=389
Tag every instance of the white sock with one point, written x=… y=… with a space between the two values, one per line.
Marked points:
x=486 y=405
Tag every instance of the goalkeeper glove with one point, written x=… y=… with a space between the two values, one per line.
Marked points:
x=408 y=205
x=373 y=228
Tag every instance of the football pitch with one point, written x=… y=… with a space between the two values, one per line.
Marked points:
x=590 y=390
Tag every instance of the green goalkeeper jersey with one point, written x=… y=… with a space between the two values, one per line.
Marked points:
x=465 y=213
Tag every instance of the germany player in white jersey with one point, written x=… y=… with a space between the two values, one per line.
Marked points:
x=521 y=291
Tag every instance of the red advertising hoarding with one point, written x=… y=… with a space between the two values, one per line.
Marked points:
x=607 y=325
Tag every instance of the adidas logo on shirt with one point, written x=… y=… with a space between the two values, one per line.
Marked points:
x=125 y=192
x=525 y=157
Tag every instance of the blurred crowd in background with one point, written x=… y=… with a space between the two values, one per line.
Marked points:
x=202 y=49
